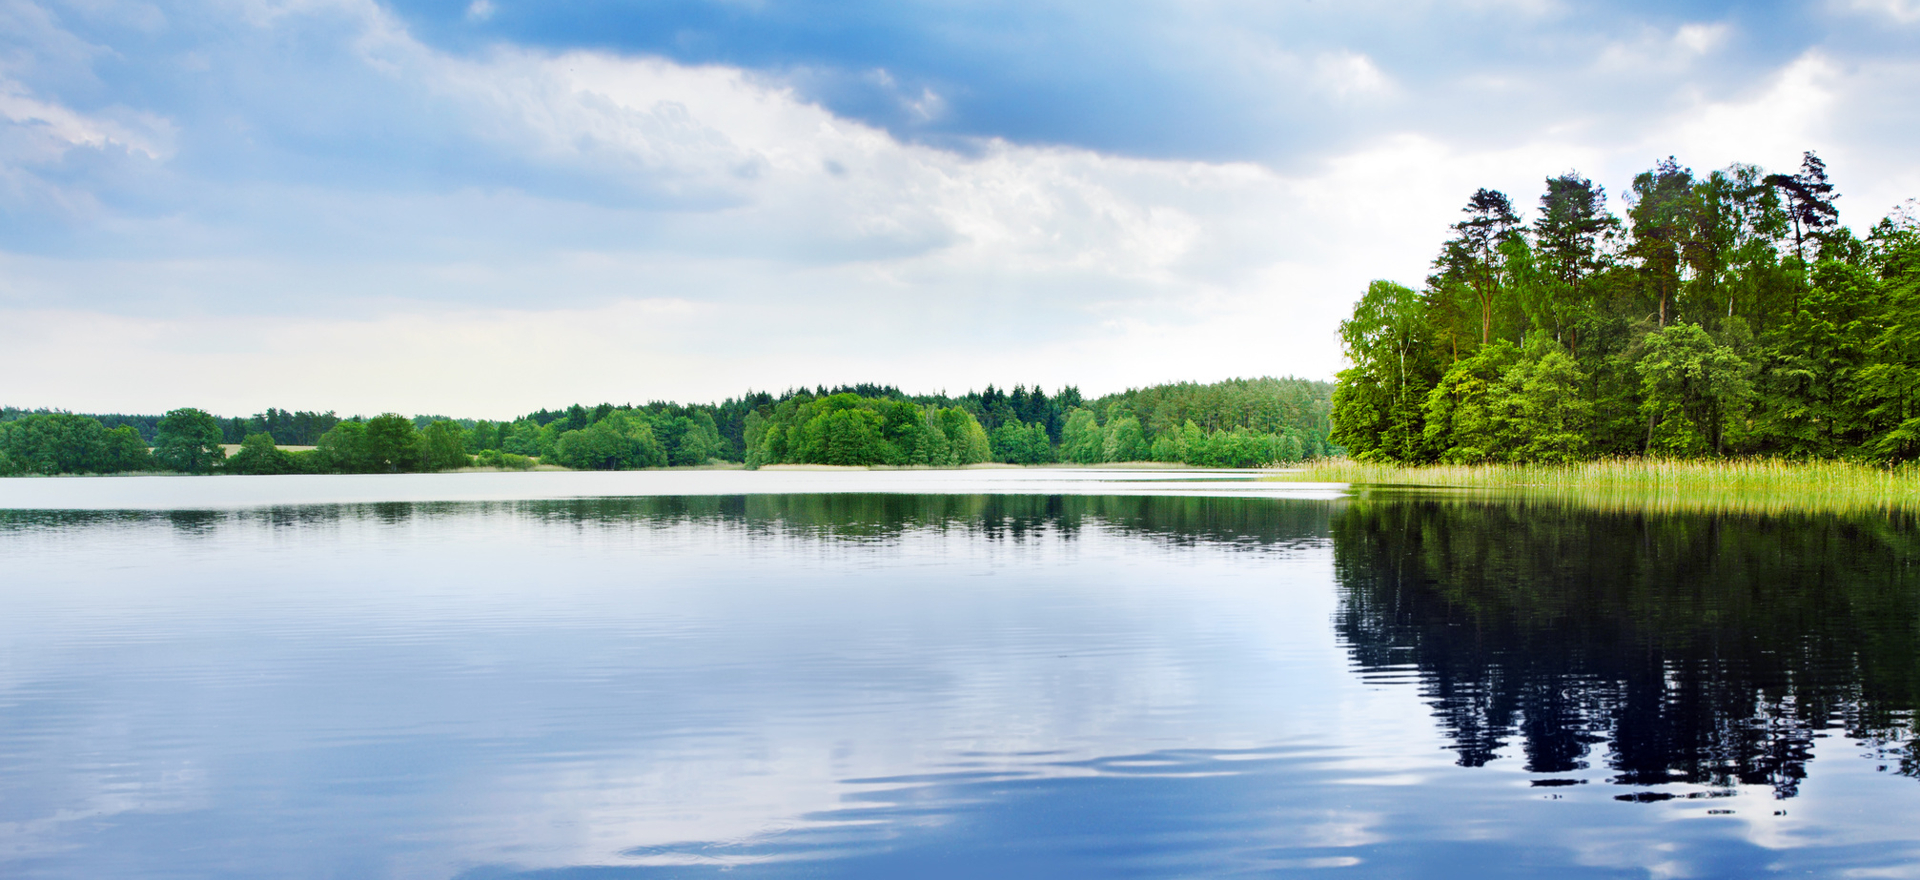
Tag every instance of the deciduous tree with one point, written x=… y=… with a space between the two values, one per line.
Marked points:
x=188 y=440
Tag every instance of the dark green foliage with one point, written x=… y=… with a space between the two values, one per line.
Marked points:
x=1461 y=412
x=1573 y=228
x=443 y=446
x=1124 y=440
x=851 y=425
x=390 y=444
x=618 y=442
x=1695 y=330
x=1538 y=410
x=862 y=424
x=994 y=407
x=188 y=440
x=964 y=440
x=525 y=437
x=57 y=443
x=1237 y=448
x=847 y=429
x=1265 y=405
x=1176 y=422
x=689 y=439
x=1378 y=409
x=1086 y=441
x=1508 y=404
x=680 y=435
x=1472 y=260
x=1694 y=391
x=286 y=428
x=847 y=437
x=143 y=426
x=125 y=451
x=494 y=458
x=483 y=435
x=1887 y=387
x=1080 y=440
x=1016 y=442
x=258 y=455
x=1660 y=200
x=343 y=449
x=1809 y=199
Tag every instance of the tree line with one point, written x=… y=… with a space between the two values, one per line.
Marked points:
x=286 y=428
x=1247 y=423
x=192 y=441
x=1238 y=423
x=1727 y=313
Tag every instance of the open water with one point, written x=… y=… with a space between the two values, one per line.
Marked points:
x=1026 y=674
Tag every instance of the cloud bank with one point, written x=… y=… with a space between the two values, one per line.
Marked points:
x=339 y=204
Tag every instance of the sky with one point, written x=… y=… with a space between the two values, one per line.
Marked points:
x=487 y=207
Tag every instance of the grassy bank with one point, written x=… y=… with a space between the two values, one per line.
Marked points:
x=1738 y=486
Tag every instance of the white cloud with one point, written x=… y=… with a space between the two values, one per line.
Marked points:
x=1788 y=114
x=51 y=129
x=479 y=10
x=1902 y=11
x=684 y=231
x=1350 y=74
x=928 y=107
x=1657 y=51
x=1815 y=102
x=799 y=248
x=1699 y=39
x=1055 y=266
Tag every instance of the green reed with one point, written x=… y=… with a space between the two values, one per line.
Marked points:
x=1756 y=485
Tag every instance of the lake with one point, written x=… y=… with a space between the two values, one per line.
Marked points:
x=1040 y=673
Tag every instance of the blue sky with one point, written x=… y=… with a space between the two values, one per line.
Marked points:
x=485 y=207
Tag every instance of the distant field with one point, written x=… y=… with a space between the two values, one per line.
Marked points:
x=232 y=448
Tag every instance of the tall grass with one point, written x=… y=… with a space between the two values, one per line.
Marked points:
x=1757 y=485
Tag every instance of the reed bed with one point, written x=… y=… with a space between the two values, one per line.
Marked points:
x=1758 y=485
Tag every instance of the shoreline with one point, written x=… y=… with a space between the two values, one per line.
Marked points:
x=713 y=466
x=294 y=490
x=1654 y=484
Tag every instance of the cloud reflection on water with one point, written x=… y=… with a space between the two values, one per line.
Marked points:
x=858 y=685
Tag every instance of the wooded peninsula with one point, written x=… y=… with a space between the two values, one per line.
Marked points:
x=1237 y=423
x=1728 y=314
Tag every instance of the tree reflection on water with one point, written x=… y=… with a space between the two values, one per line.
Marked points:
x=1711 y=650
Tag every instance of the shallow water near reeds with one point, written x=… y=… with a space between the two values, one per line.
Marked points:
x=1161 y=680
x=1743 y=485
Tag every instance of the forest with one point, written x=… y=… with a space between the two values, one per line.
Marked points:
x=1236 y=423
x=1728 y=313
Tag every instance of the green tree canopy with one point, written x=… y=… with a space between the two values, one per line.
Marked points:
x=188 y=440
x=63 y=443
x=443 y=446
x=258 y=455
x=1710 y=327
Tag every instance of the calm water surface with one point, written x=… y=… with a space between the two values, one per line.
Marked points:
x=954 y=685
